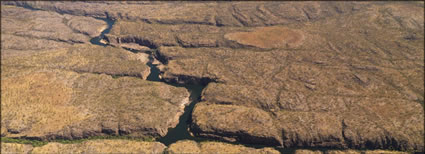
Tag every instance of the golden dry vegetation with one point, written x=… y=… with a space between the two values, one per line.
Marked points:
x=102 y=146
x=72 y=90
x=187 y=146
x=281 y=74
x=268 y=37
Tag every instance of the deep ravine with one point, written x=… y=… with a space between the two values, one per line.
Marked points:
x=181 y=131
x=193 y=37
x=98 y=40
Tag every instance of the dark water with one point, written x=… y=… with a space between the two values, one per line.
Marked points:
x=181 y=132
x=154 y=75
x=97 y=39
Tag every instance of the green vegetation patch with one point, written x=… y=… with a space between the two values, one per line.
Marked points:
x=35 y=143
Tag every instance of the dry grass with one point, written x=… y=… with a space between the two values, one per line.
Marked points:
x=249 y=122
x=14 y=148
x=302 y=151
x=65 y=93
x=269 y=37
x=364 y=67
x=359 y=61
x=86 y=58
x=102 y=146
x=37 y=103
x=187 y=146
x=217 y=147
x=47 y=103
x=184 y=146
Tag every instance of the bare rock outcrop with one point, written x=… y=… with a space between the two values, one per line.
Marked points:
x=233 y=14
x=12 y=148
x=85 y=59
x=72 y=90
x=348 y=152
x=184 y=146
x=357 y=89
x=287 y=74
x=268 y=37
x=54 y=104
x=49 y=26
x=187 y=146
x=91 y=146
x=252 y=125
x=102 y=146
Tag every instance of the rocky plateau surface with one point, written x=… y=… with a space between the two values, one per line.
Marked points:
x=278 y=74
x=184 y=146
x=71 y=89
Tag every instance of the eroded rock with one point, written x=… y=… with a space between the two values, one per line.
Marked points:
x=12 y=148
x=92 y=146
x=74 y=91
x=187 y=146
x=353 y=80
x=336 y=87
x=86 y=58
x=268 y=37
x=348 y=152
x=184 y=146
x=249 y=125
x=43 y=25
x=102 y=146
x=65 y=104
x=205 y=13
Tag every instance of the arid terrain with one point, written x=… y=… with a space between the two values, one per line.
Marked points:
x=212 y=77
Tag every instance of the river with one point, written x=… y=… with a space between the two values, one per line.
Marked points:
x=98 y=40
x=181 y=131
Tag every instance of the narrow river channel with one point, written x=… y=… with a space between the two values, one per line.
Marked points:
x=98 y=40
x=181 y=131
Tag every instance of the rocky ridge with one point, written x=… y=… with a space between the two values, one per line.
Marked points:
x=326 y=88
x=74 y=90
x=335 y=74
x=185 y=146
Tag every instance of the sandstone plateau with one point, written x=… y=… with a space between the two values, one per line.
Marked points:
x=184 y=146
x=71 y=91
x=297 y=77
